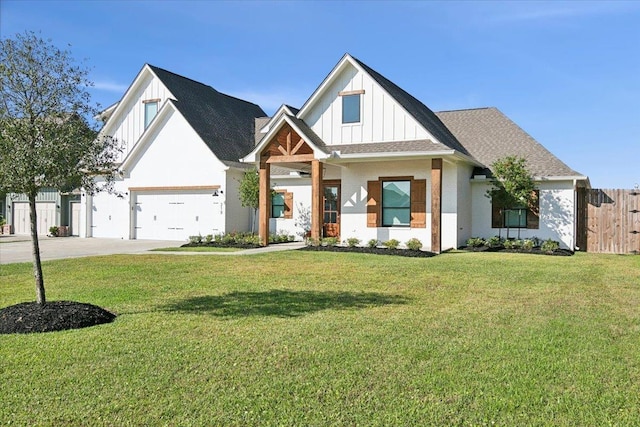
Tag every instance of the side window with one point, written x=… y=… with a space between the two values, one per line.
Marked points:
x=516 y=216
x=150 y=111
x=282 y=204
x=277 y=205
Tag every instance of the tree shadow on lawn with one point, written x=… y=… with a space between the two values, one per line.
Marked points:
x=281 y=303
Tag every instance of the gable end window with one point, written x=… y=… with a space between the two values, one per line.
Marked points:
x=282 y=204
x=150 y=111
x=351 y=108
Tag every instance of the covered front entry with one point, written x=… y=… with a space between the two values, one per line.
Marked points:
x=288 y=148
x=331 y=209
x=286 y=145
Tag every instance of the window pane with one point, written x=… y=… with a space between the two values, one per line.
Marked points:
x=277 y=205
x=396 y=203
x=396 y=194
x=150 y=110
x=277 y=211
x=516 y=218
x=351 y=109
x=396 y=216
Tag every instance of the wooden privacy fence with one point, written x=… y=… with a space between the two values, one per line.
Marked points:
x=608 y=221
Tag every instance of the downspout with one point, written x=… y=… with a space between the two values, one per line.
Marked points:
x=575 y=214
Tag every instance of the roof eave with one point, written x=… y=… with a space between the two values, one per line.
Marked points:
x=254 y=155
x=325 y=82
x=337 y=157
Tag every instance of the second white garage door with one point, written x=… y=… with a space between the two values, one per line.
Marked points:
x=45 y=214
x=176 y=216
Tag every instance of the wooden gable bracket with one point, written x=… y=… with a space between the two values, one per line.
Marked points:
x=282 y=149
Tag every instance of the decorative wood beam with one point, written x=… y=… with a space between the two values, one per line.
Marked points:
x=264 y=203
x=289 y=143
x=316 y=199
x=282 y=150
x=436 y=205
x=291 y=159
x=351 y=92
x=297 y=147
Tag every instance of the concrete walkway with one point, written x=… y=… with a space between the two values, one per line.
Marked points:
x=18 y=248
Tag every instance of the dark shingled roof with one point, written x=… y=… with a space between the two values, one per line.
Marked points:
x=421 y=145
x=489 y=135
x=293 y=110
x=309 y=134
x=260 y=122
x=417 y=109
x=225 y=123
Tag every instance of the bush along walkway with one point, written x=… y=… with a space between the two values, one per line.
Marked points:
x=413 y=247
x=528 y=246
x=248 y=242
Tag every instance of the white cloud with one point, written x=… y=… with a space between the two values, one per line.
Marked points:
x=110 y=86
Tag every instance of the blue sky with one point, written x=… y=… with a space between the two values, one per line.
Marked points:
x=567 y=72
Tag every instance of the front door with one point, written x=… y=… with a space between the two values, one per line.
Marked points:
x=331 y=209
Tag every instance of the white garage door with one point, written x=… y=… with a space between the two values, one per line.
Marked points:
x=176 y=216
x=109 y=216
x=45 y=214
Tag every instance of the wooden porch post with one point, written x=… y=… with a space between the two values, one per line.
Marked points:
x=264 y=202
x=316 y=199
x=436 y=205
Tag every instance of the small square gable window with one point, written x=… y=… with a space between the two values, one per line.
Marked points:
x=351 y=108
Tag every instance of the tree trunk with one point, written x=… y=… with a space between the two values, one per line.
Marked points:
x=253 y=221
x=37 y=265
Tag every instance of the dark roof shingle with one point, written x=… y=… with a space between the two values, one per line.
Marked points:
x=421 y=145
x=417 y=109
x=225 y=124
x=489 y=135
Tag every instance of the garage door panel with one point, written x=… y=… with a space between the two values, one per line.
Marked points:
x=175 y=216
x=107 y=220
x=45 y=216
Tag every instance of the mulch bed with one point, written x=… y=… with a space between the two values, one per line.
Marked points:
x=31 y=317
x=535 y=251
x=363 y=250
x=221 y=245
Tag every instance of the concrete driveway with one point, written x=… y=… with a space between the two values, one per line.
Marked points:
x=18 y=248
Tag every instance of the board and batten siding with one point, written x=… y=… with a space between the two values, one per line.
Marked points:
x=382 y=118
x=128 y=125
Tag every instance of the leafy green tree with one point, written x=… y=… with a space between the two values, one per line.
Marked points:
x=249 y=193
x=46 y=138
x=512 y=185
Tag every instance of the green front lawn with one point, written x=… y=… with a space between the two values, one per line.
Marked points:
x=196 y=249
x=312 y=338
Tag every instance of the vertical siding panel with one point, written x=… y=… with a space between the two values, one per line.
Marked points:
x=612 y=218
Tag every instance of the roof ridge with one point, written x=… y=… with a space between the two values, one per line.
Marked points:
x=466 y=109
x=417 y=109
x=153 y=67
